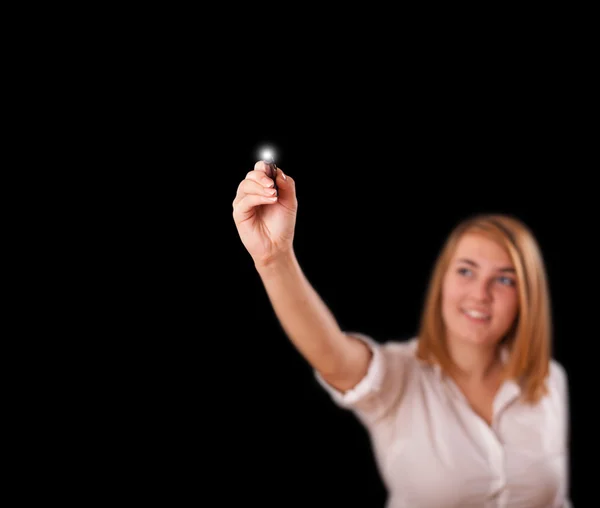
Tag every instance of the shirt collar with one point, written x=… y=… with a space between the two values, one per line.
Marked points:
x=508 y=391
x=504 y=357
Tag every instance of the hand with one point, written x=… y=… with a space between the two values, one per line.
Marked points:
x=265 y=221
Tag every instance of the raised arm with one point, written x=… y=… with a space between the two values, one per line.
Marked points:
x=266 y=222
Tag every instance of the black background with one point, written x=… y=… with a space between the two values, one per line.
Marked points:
x=163 y=374
x=217 y=401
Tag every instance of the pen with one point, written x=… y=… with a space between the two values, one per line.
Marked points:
x=269 y=160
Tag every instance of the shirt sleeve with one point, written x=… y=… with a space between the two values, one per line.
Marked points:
x=381 y=388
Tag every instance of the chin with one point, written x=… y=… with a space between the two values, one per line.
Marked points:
x=474 y=337
x=477 y=340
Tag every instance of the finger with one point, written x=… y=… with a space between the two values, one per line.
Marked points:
x=245 y=207
x=268 y=169
x=261 y=166
x=286 y=185
x=249 y=186
x=260 y=177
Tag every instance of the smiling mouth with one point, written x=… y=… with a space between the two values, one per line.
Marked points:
x=476 y=315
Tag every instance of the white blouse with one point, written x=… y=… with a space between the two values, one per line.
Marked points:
x=434 y=451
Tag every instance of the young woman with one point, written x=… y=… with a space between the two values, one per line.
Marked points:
x=472 y=411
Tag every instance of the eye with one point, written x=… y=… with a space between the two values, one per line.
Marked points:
x=464 y=271
x=507 y=281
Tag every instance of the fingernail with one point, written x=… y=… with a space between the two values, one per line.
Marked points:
x=283 y=174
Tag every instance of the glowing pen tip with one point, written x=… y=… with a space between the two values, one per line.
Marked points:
x=267 y=155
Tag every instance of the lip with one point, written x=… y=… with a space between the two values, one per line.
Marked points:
x=476 y=320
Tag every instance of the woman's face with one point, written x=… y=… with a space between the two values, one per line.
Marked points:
x=479 y=292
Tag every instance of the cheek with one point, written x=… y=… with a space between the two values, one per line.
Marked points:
x=451 y=297
x=509 y=306
x=451 y=294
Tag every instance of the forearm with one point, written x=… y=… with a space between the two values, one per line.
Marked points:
x=305 y=318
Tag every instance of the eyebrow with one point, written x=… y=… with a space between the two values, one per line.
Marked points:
x=509 y=269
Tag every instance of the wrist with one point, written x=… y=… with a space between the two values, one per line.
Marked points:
x=280 y=263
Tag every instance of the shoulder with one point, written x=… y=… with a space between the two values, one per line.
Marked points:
x=558 y=393
x=394 y=358
x=557 y=370
x=392 y=361
x=558 y=380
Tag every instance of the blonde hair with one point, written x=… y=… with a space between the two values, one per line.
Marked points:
x=530 y=338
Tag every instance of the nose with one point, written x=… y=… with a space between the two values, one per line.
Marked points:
x=481 y=290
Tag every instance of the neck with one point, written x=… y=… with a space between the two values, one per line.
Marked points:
x=474 y=363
